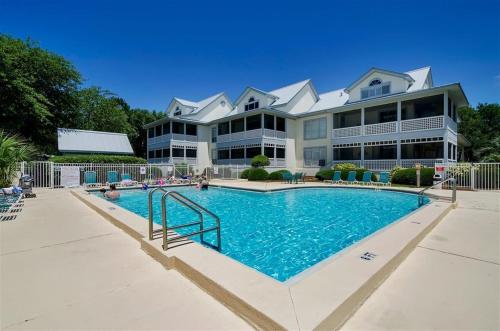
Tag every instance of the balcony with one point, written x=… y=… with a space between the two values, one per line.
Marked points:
x=352 y=131
x=278 y=162
x=426 y=123
x=389 y=164
x=251 y=134
x=380 y=128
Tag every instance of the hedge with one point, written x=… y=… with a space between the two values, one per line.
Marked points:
x=244 y=174
x=257 y=174
x=277 y=175
x=97 y=158
x=327 y=174
x=409 y=176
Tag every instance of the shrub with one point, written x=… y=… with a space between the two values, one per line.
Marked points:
x=345 y=166
x=244 y=174
x=260 y=161
x=409 y=176
x=97 y=158
x=277 y=175
x=257 y=174
x=325 y=174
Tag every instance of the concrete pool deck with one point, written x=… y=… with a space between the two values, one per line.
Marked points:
x=44 y=223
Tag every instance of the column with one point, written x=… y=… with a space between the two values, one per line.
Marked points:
x=445 y=109
x=398 y=152
x=362 y=154
x=274 y=127
x=363 y=122
x=398 y=124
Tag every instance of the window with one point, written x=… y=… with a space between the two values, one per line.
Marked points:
x=269 y=152
x=166 y=128
x=313 y=155
x=280 y=153
x=381 y=114
x=151 y=132
x=281 y=124
x=254 y=122
x=191 y=152
x=151 y=154
x=158 y=153
x=252 y=104
x=423 y=107
x=223 y=128
x=166 y=152
x=177 y=127
x=253 y=151
x=158 y=130
x=268 y=122
x=177 y=111
x=454 y=112
x=384 y=152
x=177 y=152
x=315 y=129
x=376 y=88
x=422 y=151
x=214 y=134
x=347 y=119
x=237 y=153
x=223 y=154
x=191 y=130
x=238 y=125
x=348 y=153
x=450 y=151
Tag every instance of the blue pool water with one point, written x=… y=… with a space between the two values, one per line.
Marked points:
x=6 y=201
x=283 y=233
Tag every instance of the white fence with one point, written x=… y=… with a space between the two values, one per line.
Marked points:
x=475 y=176
x=48 y=174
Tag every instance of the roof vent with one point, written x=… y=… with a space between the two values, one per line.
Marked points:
x=341 y=93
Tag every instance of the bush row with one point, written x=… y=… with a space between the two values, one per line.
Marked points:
x=409 y=176
x=97 y=158
x=262 y=174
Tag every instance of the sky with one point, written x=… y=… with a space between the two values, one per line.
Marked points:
x=147 y=52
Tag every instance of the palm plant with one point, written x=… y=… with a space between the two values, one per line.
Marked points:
x=13 y=150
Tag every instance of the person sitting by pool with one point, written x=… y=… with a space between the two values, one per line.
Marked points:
x=113 y=193
x=145 y=186
x=204 y=184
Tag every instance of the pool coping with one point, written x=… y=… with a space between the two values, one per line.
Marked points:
x=322 y=299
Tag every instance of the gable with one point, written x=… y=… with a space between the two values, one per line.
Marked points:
x=254 y=97
x=377 y=83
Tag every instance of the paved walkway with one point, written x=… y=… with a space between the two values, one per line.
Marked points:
x=451 y=281
x=62 y=266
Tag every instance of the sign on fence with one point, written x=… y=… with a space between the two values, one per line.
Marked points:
x=70 y=176
x=143 y=170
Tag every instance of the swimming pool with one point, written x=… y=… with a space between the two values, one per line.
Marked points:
x=283 y=233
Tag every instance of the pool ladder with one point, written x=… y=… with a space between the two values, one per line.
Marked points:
x=188 y=203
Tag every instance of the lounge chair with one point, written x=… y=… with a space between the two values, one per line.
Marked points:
x=367 y=178
x=90 y=179
x=351 y=177
x=298 y=177
x=336 y=178
x=113 y=178
x=384 y=179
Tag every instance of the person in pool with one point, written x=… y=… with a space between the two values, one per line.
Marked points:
x=204 y=184
x=112 y=194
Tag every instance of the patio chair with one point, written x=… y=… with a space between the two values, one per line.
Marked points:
x=298 y=177
x=113 y=178
x=287 y=177
x=384 y=179
x=90 y=179
x=367 y=178
x=336 y=178
x=351 y=177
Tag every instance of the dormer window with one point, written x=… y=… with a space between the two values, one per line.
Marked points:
x=177 y=112
x=252 y=104
x=376 y=88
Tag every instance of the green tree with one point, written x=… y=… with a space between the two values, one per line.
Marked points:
x=481 y=126
x=37 y=92
x=12 y=150
x=137 y=119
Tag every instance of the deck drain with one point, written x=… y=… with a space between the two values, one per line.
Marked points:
x=368 y=256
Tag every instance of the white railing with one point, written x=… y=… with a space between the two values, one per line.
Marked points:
x=380 y=128
x=352 y=131
x=410 y=163
x=426 y=123
x=251 y=134
x=475 y=176
x=380 y=164
x=47 y=174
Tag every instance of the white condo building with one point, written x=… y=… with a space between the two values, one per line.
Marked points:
x=381 y=120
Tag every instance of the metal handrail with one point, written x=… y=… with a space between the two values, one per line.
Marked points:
x=453 y=187
x=150 y=207
x=196 y=208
